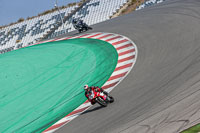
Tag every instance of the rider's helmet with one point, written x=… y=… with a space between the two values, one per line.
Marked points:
x=86 y=87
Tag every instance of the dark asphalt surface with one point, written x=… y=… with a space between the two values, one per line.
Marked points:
x=162 y=92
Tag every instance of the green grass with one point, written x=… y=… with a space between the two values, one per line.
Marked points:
x=194 y=129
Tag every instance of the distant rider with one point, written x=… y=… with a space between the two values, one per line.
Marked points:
x=88 y=91
x=80 y=22
x=77 y=23
x=74 y=22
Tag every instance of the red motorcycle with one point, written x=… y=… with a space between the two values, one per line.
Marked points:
x=100 y=98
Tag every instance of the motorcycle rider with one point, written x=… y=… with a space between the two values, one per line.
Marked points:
x=88 y=91
x=74 y=22
x=80 y=22
x=80 y=25
x=77 y=23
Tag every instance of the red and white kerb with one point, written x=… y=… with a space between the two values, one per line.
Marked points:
x=127 y=55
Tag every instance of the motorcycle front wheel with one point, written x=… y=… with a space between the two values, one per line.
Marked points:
x=111 y=99
x=79 y=31
x=101 y=101
x=90 y=28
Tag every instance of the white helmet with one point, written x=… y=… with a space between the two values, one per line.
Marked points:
x=86 y=87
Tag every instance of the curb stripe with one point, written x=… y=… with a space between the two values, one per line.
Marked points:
x=74 y=112
x=125 y=59
x=112 y=81
x=125 y=40
x=115 y=40
x=125 y=46
x=110 y=85
x=117 y=76
x=124 y=49
x=112 y=38
x=122 y=67
x=120 y=71
x=83 y=105
x=126 y=52
x=56 y=126
x=83 y=36
x=109 y=37
x=125 y=62
x=126 y=55
x=104 y=36
x=121 y=44
x=94 y=35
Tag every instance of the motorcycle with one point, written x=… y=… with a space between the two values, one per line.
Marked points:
x=100 y=98
x=82 y=27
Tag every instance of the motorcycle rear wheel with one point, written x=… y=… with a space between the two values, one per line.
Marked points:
x=101 y=101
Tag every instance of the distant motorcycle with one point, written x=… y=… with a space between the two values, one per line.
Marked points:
x=100 y=98
x=81 y=26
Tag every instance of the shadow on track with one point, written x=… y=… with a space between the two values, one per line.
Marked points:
x=91 y=110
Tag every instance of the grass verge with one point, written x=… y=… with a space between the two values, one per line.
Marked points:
x=193 y=129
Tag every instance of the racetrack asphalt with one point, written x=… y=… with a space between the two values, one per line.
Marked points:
x=162 y=92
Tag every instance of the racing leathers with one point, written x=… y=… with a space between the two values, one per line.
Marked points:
x=77 y=23
x=88 y=92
